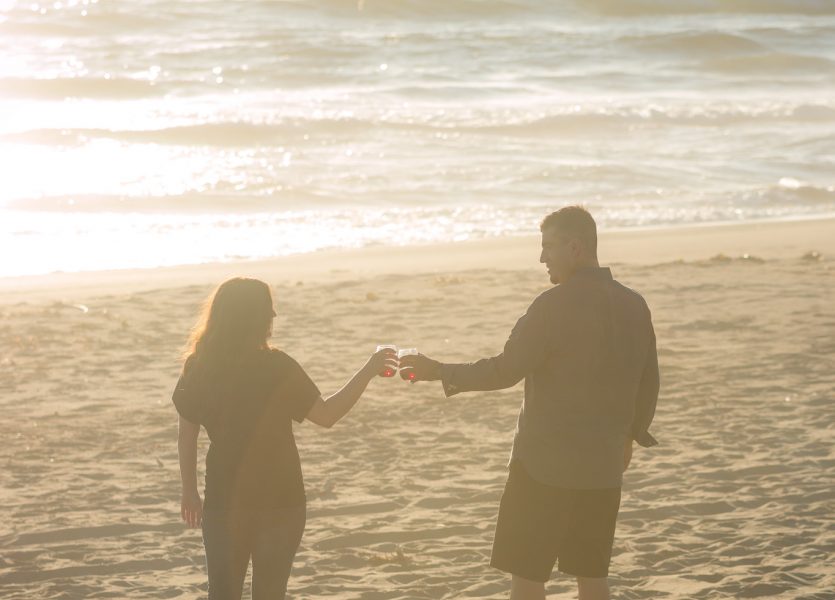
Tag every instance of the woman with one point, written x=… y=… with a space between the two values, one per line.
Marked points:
x=245 y=394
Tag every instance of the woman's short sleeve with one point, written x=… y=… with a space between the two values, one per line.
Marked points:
x=295 y=388
x=186 y=399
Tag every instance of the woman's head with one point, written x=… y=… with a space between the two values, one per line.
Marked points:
x=236 y=318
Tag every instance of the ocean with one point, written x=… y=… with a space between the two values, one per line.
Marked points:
x=140 y=134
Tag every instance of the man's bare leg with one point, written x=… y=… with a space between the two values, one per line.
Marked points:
x=525 y=589
x=596 y=588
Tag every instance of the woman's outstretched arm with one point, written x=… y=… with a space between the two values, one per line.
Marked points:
x=329 y=411
x=191 y=506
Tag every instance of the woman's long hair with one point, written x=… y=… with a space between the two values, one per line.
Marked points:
x=235 y=322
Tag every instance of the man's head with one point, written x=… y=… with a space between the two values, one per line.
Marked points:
x=569 y=242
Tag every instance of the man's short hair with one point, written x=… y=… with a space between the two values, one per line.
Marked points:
x=574 y=222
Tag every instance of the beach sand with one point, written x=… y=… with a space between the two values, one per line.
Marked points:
x=737 y=501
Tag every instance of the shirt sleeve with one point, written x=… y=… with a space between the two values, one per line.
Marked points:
x=296 y=388
x=524 y=351
x=185 y=399
x=647 y=397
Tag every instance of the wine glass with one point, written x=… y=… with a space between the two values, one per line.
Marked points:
x=387 y=371
x=407 y=375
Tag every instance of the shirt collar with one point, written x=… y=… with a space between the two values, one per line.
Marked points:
x=594 y=273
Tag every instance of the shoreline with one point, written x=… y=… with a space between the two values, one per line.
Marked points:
x=760 y=239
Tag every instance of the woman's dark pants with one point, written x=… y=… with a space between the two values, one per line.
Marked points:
x=269 y=537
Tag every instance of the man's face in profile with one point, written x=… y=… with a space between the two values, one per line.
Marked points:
x=556 y=255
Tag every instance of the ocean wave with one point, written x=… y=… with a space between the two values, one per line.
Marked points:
x=437 y=9
x=635 y=8
x=695 y=43
x=689 y=116
x=77 y=87
x=230 y=134
x=114 y=17
x=533 y=124
x=430 y=9
x=21 y=27
x=633 y=207
x=789 y=193
x=770 y=64
x=813 y=112
x=221 y=200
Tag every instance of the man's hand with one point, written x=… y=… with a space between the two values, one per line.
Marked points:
x=627 y=453
x=417 y=367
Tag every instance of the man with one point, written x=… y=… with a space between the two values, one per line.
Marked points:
x=586 y=349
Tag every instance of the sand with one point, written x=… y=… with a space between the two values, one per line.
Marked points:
x=737 y=501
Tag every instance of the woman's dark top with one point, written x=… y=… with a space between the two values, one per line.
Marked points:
x=246 y=408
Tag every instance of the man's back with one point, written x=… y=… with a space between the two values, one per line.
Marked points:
x=592 y=388
x=586 y=350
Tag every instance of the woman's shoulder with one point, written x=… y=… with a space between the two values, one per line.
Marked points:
x=278 y=358
x=284 y=367
x=277 y=353
x=188 y=364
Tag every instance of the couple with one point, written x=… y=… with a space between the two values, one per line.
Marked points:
x=585 y=348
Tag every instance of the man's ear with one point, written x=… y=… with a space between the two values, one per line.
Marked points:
x=575 y=247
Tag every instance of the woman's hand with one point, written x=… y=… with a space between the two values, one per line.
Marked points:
x=191 y=508
x=380 y=361
x=627 y=453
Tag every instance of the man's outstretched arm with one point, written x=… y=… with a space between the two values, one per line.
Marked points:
x=524 y=350
x=647 y=398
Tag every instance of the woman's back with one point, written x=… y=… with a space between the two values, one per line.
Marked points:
x=246 y=408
